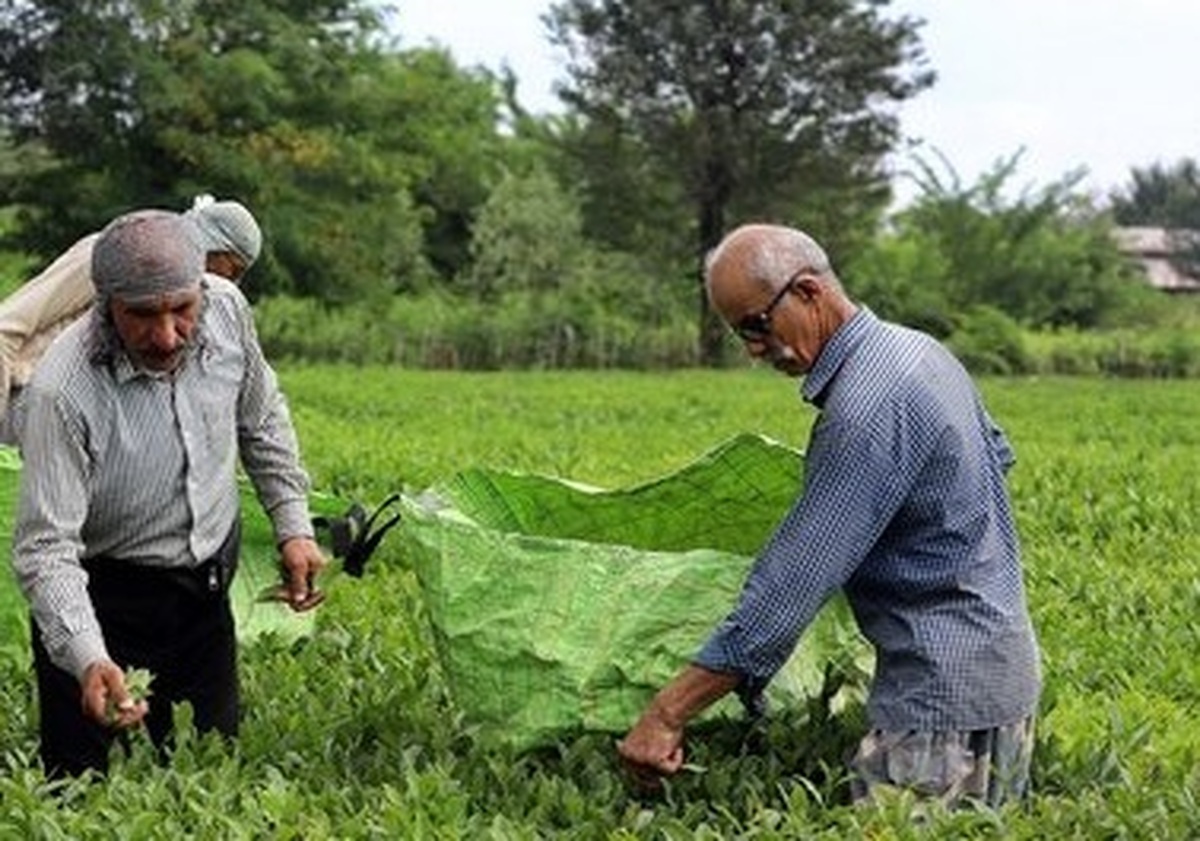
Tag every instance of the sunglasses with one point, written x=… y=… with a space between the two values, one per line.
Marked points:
x=756 y=327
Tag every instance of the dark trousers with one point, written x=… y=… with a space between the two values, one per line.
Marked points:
x=176 y=623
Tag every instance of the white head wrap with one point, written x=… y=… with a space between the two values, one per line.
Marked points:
x=226 y=226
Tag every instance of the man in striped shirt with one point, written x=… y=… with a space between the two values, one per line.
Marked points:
x=42 y=307
x=905 y=510
x=127 y=528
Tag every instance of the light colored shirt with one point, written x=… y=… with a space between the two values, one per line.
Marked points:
x=905 y=509
x=137 y=466
x=33 y=315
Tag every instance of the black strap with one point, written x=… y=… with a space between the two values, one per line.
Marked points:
x=351 y=536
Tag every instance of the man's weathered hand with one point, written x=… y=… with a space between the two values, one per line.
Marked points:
x=106 y=699
x=652 y=749
x=302 y=563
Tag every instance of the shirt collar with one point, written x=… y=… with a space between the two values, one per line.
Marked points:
x=836 y=351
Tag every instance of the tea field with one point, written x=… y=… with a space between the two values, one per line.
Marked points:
x=350 y=730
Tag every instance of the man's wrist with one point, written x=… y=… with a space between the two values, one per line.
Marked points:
x=291 y=519
x=668 y=712
x=82 y=655
x=691 y=693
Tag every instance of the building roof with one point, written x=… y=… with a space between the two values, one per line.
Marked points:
x=1152 y=248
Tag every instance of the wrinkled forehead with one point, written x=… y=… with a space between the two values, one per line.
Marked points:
x=733 y=278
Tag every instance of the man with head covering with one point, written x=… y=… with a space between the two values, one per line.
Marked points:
x=127 y=531
x=905 y=510
x=229 y=235
x=41 y=308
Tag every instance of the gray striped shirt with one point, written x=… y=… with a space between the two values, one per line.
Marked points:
x=904 y=509
x=139 y=466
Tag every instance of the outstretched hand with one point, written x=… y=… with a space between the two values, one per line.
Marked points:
x=652 y=749
x=106 y=698
x=302 y=561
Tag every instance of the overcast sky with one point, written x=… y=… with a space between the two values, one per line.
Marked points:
x=1102 y=84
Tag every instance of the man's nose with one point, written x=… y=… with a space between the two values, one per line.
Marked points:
x=164 y=334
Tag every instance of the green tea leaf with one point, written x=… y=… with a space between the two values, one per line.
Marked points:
x=137 y=683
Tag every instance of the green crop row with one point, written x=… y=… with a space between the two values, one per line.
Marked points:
x=352 y=732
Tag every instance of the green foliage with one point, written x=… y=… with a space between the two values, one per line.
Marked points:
x=438 y=124
x=1160 y=195
x=424 y=218
x=1161 y=353
x=742 y=107
x=606 y=315
x=989 y=342
x=527 y=237
x=364 y=166
x=352 y=734
x=1046 y=259
x=896 y=277
x=578 y=329
x=15 y=266
x=627 y=202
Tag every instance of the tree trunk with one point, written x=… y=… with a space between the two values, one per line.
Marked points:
x=713 y=201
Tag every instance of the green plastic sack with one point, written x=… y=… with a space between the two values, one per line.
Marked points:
x=559 y=608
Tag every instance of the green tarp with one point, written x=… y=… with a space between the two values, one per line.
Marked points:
x=559 y=607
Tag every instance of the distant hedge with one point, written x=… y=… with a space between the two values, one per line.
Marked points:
x=453 y=332
x=449 y=332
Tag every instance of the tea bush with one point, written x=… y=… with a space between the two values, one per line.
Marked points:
x=352 y=732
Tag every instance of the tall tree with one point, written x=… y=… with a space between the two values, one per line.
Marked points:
x=782 y=108
x=1166 y=197
x=1160 y=195
x=354 y=157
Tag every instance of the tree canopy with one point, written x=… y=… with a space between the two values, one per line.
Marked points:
x=762 y=109
x=362 y=163
x=1166 y=196
x=413 y=211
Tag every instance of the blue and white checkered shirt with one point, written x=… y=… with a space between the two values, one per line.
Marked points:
x=905 y=509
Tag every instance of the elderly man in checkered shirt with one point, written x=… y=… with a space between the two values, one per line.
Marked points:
x=905 y=510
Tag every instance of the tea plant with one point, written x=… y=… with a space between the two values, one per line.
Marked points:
x=352 y=731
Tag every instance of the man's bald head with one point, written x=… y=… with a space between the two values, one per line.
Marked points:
x=758 y=257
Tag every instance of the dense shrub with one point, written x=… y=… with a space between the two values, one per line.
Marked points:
x=1162 y=353
x=551 y=332
x=437 y=330
x=989 y=342
x=1045 y=259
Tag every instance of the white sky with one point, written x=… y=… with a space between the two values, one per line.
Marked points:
x=1107 y=85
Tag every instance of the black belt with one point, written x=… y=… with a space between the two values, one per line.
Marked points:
x=211 y=577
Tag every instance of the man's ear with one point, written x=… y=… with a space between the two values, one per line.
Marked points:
x=807 y=287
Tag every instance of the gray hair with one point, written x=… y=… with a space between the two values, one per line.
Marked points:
x=778 y=253
x=146 y=253
x=226 y=226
